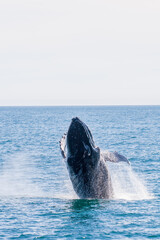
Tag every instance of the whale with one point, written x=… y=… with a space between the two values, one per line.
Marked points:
x=86 y=163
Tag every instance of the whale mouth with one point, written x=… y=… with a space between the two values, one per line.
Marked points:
x=79 y=139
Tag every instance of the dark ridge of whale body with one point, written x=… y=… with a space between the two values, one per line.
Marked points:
x=86 y=164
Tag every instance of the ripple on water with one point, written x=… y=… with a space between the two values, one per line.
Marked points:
x=37 y=200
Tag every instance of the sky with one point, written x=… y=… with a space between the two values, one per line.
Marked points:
x=79 y=52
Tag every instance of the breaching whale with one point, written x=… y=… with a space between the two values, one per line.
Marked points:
x=86 y=163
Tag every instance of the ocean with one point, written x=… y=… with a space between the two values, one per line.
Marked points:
x=37 y=200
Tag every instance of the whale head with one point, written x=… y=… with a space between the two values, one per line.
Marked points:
x=81 y=149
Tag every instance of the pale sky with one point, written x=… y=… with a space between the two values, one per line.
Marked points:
x=79 y=52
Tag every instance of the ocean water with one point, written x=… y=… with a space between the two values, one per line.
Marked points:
x=37 y=200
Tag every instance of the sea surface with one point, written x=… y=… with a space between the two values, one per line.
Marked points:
x=37 y=200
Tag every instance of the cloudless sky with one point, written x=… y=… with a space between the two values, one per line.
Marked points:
x=79 y=52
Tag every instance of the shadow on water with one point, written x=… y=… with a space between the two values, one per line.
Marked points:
x=87 y=204
x=88 y=208
x=84 y=204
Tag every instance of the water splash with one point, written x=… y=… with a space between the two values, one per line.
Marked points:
x=16 y=177
x=127 y=184
x=21 y=178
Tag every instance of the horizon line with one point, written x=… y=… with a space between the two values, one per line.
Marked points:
x=89 y=105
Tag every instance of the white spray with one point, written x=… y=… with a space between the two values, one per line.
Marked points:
x=126 y=183
x=19 y=177
x=16 y=178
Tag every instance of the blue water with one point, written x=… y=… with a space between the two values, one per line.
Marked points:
x=36 y=196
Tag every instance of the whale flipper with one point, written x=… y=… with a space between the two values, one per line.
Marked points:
x=114 y=157
x=62 y=144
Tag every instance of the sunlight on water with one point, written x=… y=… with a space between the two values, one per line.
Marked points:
x=126 y=184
